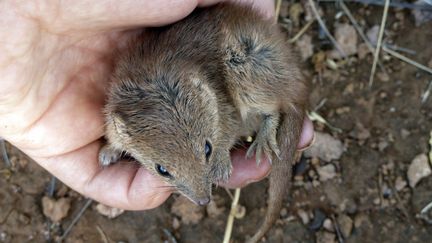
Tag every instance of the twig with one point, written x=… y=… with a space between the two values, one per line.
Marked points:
x=6 y=217
x=427 y=92
x=394 y=4
x=229 y=193
x=399 y=201
x=277 y=10
x=380 y=187
x=326 y=31
x=337 y=228
x=378 y=47
x=320 y=105
x=170 y=236
x=51 y=186
x=430 y=148
x=423 y=213
x=4 y=153
x=407 y=60
x=102 y=233
x=75 y=220
x=230 y=221
x=402 y=49
x=360 y=31
x=302 y=31
x=313 y=116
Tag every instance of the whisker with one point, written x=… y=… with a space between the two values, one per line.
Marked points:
x=158 y=191
x=173 y=187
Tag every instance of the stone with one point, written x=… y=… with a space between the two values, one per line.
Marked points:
x=304 y=45
x=56 y=210
x=346 y=37
x=213 y=210
x=345 y=224
x=187 y=211
x=304 y=216
x=328 y=225
x=175 y=223
x=325 y=237
x=108 y=211
x=421 y=16
x=362 y=51
x=318 y=220
x=326 y=172
x=418 y=169
x=325 y=147
x=372 y=34
x=400 y=183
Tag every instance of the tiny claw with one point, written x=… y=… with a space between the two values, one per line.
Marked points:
x=250 y=151
x=108 y=156
x=258 y=155
x=276 y=152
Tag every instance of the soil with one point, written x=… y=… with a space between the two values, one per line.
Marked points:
x=383 y=129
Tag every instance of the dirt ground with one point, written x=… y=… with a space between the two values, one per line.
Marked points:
x=364 y=195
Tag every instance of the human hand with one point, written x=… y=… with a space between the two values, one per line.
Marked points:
x=55 y=64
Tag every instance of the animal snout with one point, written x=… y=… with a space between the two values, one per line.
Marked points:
x=203 y=201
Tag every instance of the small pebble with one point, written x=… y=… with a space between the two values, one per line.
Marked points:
x=311 y=174
x=325 y=237
x=326 y=172
x=382 y=145
x=303 y=215
x=176 y=223
x=315 y=161
x=283 y=212
x=418 y=169
x=384 y=77
x=343 y=110
x=318 y=220
x=328 y=225
x=345 y=224
x=372 y=34
x=107 y=211
x=56 y=210
x=325 y=147
x=376 y=201
x=405 y=133
x=301 y=167
x=400 y=183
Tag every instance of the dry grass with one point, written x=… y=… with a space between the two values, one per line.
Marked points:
x=380 y=37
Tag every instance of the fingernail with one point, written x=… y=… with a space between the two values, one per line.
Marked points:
x=309 y=145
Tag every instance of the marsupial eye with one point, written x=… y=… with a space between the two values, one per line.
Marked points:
x=208 y=149
x=162 y=171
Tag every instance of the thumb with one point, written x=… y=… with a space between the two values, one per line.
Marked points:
x=112 y=14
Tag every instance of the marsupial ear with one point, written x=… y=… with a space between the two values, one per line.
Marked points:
x=115 y=122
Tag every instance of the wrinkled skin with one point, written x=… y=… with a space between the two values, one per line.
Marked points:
x=54 y=68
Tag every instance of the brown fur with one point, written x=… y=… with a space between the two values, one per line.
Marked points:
x=221 y=73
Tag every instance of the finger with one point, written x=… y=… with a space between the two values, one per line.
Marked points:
x=307 y=136
x=123 y=185
x=246 y=171
x=109 y=14
x=266 y=7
